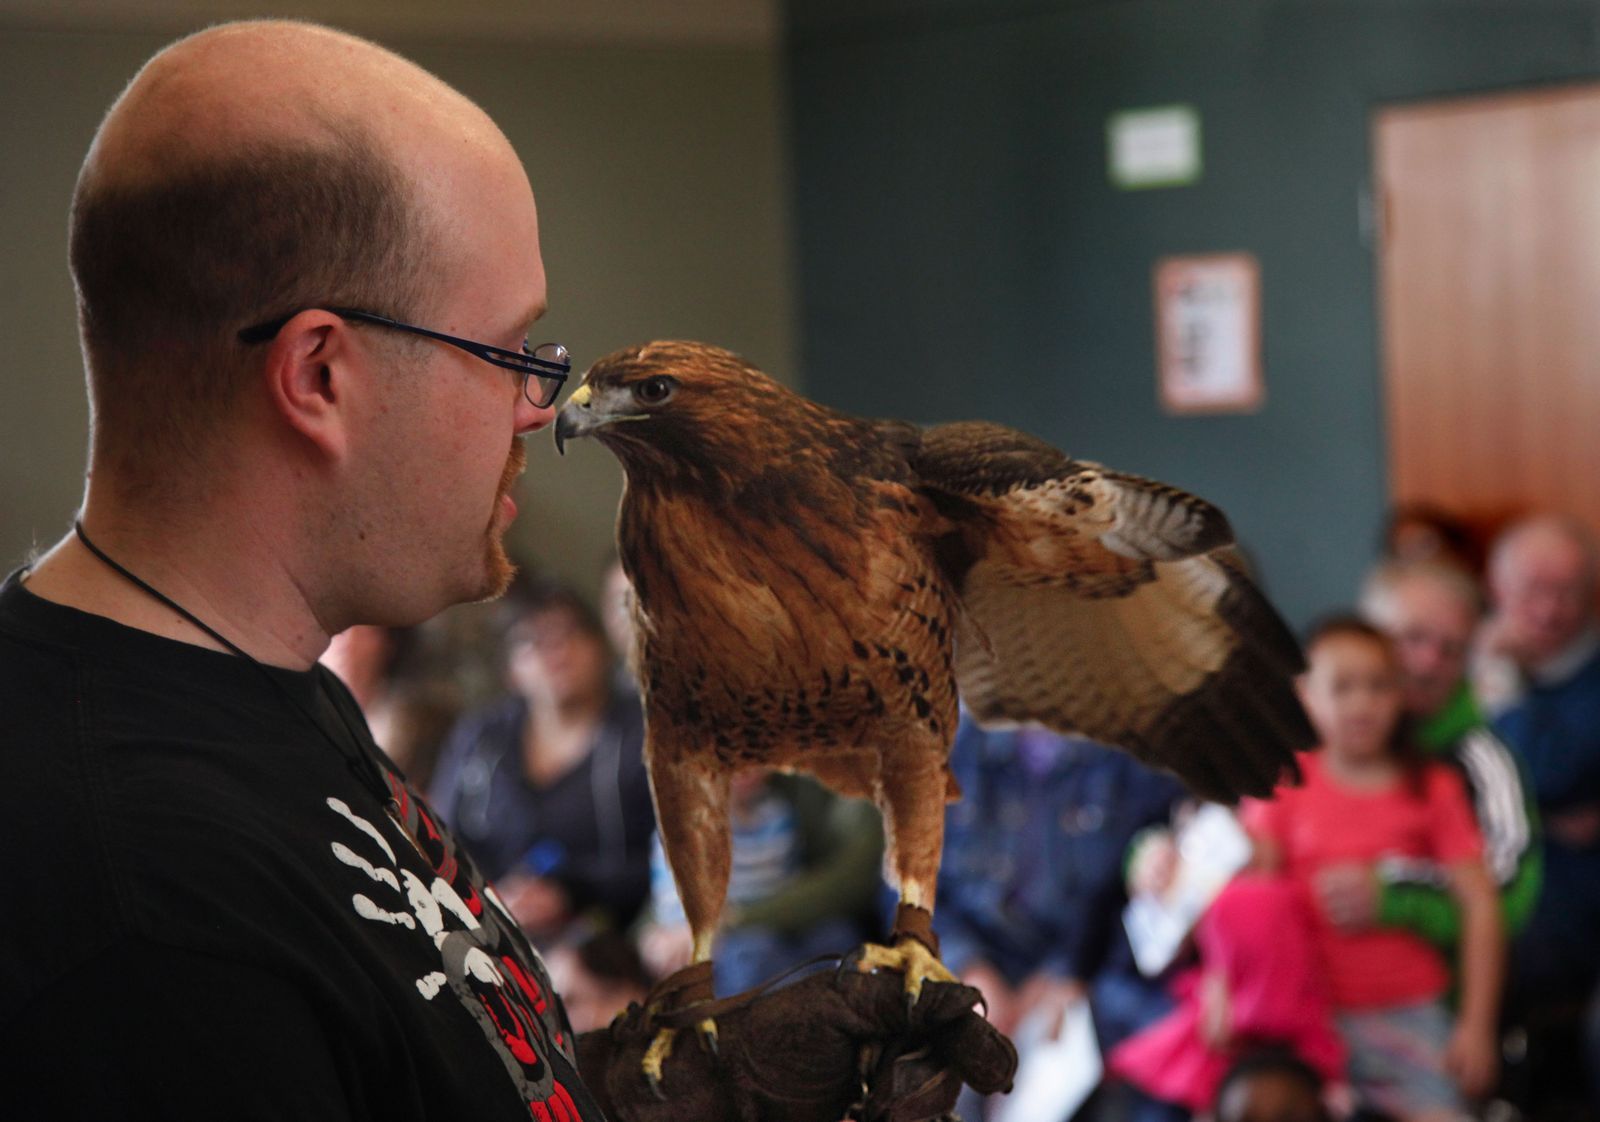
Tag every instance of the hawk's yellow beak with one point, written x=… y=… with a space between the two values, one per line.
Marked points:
x=576 y=417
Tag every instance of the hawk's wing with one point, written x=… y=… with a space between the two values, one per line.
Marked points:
x=1109 y=605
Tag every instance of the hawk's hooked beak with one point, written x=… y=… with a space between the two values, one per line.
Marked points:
x=577 y=418
x=589 y=410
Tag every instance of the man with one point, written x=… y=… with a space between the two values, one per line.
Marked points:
x=234 y=876
x=1430 y=609
x=1539 y=676
x=220 y=901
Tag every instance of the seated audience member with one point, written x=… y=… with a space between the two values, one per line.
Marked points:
x=1368 y=795
x=547 y=788
x=1424 y=532
x=598 y=976
x=1259 y=983
x=1272 y=1085
x=1429 y=612
x=1031 y=886
x=805 y=874
x=409 y=712
x=1539 y=678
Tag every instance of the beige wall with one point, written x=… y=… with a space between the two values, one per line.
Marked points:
x=664 y=210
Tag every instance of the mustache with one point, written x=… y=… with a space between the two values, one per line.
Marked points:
x=515 y=462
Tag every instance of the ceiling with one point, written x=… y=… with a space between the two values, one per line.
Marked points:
x=746 y=23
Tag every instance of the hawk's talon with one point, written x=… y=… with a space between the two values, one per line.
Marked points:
x=909 y=957
x=654 y=1057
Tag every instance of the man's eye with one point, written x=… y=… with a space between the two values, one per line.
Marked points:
x=653 y=391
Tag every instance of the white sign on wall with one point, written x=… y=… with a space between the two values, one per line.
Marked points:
x=1208 y=333
x=1157 y=147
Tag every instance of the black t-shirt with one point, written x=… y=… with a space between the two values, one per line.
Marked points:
x=207 y=911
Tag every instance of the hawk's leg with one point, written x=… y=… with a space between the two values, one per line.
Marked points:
x=911 y=796
x=691 y=798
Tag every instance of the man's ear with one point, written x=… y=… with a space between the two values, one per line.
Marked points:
x=308 y=380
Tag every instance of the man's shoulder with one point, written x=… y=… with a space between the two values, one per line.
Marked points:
x=1574 y=674
x=38 y=682
x=32 y=659
x=140 y=802
x=1588 y=671
x=1572 y=699
x=61 y=905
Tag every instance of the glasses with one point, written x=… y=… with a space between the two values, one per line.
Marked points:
x=544 y=369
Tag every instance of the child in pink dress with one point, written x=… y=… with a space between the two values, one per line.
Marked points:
x=1365 y=800
x=1259 y=985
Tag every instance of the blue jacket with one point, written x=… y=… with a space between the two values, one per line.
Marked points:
x=1032 y=876
x=1557 y=730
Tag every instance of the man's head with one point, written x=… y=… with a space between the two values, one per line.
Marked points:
x=1542 y=581
x=555 y=646
x=264 y=170
x=1429 y=610
x=1273 y=1085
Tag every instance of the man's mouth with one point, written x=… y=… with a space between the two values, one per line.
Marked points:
x=516 y=461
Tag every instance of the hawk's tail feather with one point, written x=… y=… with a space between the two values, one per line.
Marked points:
x=1258 y=624
x=1188 y=750
x=1238 y=735
x=1263 y=723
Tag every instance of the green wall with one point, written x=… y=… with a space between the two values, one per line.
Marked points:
x=963 y=253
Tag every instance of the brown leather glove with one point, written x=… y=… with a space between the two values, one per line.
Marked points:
x=829 y=1047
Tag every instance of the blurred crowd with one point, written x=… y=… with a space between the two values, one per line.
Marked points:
x=1409 y=930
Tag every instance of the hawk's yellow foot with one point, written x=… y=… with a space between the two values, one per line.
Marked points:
x=655 y=1057
x=914 y=952
x=909 y=957
x=684 y=989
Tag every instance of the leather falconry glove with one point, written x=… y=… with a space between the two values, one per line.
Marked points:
x=834 y=1045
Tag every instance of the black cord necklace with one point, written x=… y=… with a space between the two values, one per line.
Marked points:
x=359 y=758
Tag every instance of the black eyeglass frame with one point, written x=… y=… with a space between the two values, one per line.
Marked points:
x=551 y=373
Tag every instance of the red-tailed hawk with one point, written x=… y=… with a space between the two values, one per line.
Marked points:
x=813 y=590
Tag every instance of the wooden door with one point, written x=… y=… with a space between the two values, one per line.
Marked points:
x=1489 y=230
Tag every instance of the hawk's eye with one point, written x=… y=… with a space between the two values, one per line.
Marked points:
x=653 y=391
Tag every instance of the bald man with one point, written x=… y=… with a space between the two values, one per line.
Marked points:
x=221 y=902
x=1539 y=675
x=1539 y=668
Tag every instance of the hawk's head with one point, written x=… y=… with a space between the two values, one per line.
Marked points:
x=670 y=410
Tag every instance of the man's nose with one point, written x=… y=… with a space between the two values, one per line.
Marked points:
x=531 y=417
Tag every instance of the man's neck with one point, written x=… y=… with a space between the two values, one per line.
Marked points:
x=1444 y=727
x=266 y=616
x=1565 y=663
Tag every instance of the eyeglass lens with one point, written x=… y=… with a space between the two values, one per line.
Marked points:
x=544 y=393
